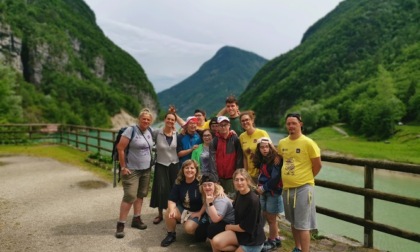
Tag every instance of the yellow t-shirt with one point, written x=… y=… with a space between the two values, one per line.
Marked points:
x=249 y=144
x=206 y=125
x=297 y=164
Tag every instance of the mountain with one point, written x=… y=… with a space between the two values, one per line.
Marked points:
x=358 y=65
x=58 y=66
x=228 y=72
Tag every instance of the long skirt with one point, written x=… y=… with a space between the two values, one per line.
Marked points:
x=163 y=180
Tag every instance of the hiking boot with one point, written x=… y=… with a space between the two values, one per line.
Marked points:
x=278 y=242
x=269 y=245
x=120 y=230
x=138 y=223
x=296 y=250
x=170 y=238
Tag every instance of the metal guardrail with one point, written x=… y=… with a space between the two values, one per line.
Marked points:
x=101 y=140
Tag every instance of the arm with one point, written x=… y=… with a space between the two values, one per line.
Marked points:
x=171 y=209
x=122 y=145
x=234 y=228
x=187 y=151
x=222 y=111
x=316 y=165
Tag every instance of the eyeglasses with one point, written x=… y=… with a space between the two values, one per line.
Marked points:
x=295 y=115
x=224 y=125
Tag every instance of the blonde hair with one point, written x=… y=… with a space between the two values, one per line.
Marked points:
x=246 y=175
x=218 y=191
x=146 y=111
x=181 y=176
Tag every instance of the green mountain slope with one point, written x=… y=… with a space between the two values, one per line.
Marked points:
x=228 y=72
x=358 y=65
x=70 y=72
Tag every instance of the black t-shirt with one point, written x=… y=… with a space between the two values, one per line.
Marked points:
x=248 y=216
x=188 y=195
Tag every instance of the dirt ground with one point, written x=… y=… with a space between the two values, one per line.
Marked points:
x=46 y=205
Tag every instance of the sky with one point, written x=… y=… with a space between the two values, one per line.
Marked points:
x=171 y=39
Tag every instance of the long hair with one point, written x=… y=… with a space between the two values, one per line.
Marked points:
x=218 y=191
x=251 y=115
x=259 y=159
x=181 y=177
x=246 y=175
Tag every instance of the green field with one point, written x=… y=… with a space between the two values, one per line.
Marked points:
x=404 y=146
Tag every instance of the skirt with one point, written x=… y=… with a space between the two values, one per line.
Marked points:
x=163 y=180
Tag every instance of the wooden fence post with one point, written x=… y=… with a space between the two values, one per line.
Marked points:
x=368 y=232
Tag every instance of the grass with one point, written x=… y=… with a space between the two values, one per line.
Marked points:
x=61 y=153
x=404 y=146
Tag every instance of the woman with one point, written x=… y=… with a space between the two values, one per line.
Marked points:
x=269 y=188
x=248 y=141
x=219 y=207
x=202 y=155
x=135 y=170
x=247 y=234
x=184 y=201
x=166 y=168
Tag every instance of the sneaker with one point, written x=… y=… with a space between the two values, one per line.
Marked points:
x=120 y=230
x=278 y=242
x=269 y=245
x=296 y=250
x=138 y=223
x=170 y=238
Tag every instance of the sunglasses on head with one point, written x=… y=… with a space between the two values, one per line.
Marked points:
x=296 y=115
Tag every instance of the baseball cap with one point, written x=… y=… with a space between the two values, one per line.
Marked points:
x=190 y=119
x=222 y=118
x=264 y=140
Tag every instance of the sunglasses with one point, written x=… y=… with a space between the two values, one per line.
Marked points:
x=295 y=115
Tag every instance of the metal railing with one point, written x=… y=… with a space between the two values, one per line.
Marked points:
x=101 y=140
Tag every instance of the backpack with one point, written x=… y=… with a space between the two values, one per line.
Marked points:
x=115 y=157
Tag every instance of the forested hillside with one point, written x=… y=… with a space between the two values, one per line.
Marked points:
x=228 y=72
x=358 y=65
x=56 y=65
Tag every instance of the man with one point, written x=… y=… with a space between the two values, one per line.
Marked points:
x=301 y=163
x=202 y=122
x=225 y=155
x=189 y=141
x=232 y=109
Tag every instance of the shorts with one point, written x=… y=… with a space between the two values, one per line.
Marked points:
x=299 y=207
x=202 y=220
x=271 y=203
x=136 y=185
x=257 y=248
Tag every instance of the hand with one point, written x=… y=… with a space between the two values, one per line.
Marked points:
x=171 y=214
x=195 y=146
x=277 y=160
x=172 y=109
x=209 y=198
x=195 y=214
x=259 y=190
x=125 y=171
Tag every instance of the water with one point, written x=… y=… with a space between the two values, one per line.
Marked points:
x=400 y=216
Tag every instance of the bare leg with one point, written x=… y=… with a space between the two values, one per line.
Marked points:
x=138 y=203
x=272 y=224
x=124 y=210
x=302 y=239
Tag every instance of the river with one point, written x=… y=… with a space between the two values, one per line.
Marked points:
x=400 y=216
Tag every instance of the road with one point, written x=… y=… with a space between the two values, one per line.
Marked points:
x=46 y=205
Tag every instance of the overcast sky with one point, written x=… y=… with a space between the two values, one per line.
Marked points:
x=171 y=39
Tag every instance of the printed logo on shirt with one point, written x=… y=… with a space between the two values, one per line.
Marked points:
x=255 y=140
x=297 y=150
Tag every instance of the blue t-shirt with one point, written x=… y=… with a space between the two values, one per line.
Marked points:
x=186 y=142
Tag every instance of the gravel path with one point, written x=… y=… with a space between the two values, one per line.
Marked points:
x=46 y=206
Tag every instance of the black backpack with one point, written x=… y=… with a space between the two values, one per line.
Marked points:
x=115 y=160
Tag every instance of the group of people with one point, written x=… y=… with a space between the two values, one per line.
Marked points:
x=222 y=178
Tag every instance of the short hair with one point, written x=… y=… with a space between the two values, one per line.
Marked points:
x=200 y=111
x=231 y=99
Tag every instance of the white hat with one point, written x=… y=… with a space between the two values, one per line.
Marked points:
x=222 y=118
x=264 y=139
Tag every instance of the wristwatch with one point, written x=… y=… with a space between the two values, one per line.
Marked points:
x=210 y=204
